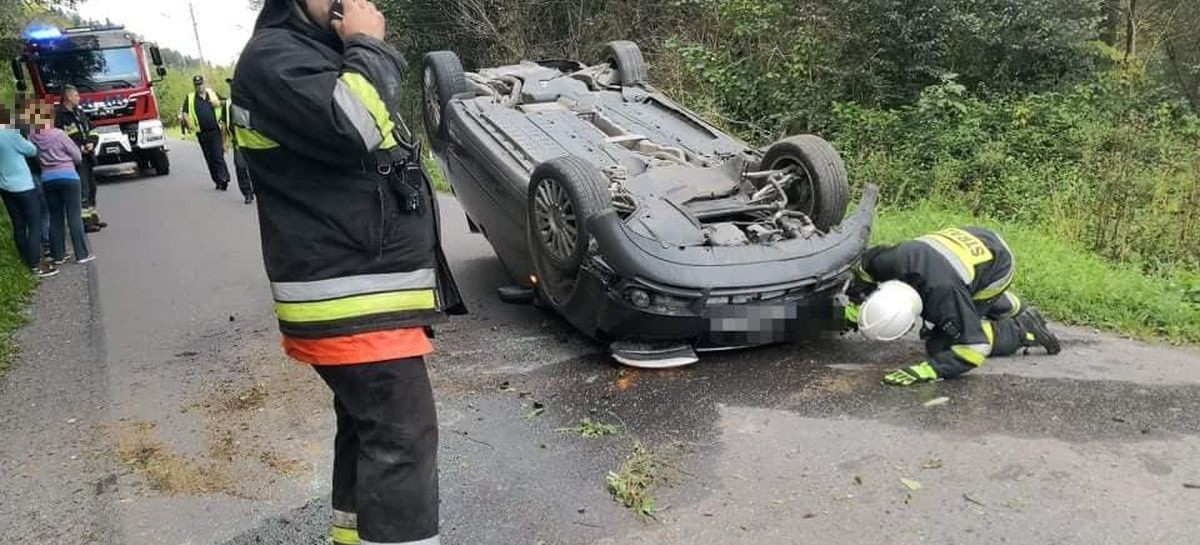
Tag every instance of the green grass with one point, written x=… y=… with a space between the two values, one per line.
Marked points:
x=15 y=286
x=588 y=429
x=632 y=483
x=1071 y=284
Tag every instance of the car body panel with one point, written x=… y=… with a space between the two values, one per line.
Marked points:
x=680 y=171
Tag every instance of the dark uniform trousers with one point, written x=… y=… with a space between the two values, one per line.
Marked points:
x=212 y=144
x=243 y=172
x=385 y=450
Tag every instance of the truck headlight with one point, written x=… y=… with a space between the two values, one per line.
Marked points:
x=150 y=130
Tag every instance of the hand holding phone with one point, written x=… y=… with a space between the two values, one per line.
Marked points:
x=358 y=17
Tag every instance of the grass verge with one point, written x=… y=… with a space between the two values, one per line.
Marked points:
x=1069 y=283
x=15 y=286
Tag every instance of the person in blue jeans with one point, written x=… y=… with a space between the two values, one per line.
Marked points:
x=59 y=157
x=20 y=195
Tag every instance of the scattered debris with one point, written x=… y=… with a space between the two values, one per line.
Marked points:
x=911 y=484
x=464 y=435
x=505 y=387
x=165 y=471
x=630 y=484
x=932 y=463
x=1192 y=486
x=937 y=401
x=1015 y=504
x=973 y=500
x=252 y=398
x=589 y=429
x=285 y=467
x=1118 y=419
x=187 y=354
x=858 y=480
x=810 y=515
x=536 y=410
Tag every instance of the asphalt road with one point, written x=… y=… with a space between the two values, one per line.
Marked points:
x=151 y=405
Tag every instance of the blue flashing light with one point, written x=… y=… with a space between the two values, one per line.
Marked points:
x=43 y=33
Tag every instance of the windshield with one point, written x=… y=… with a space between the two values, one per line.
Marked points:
x=90 y=69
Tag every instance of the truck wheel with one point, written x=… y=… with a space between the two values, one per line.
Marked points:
x=564 y=193
x=627 y=58
x=821 y=191
x=161 y=162
x=441 y=78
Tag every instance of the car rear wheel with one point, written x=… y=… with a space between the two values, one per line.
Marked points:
x=626 y=57
x=441 y=78
x=821 y=190
x=564 y=194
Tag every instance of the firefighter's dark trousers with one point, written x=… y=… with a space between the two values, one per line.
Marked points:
x=212 y=144
x=385 y=451
x=999 y=313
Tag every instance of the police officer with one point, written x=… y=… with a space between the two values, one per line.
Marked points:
x=958 y=281
x=201 y=113
x=351 y=246
x=71 y=119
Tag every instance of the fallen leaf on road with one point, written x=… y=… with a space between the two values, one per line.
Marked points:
x=911 y=484
x=937 y=401
x=858 y=480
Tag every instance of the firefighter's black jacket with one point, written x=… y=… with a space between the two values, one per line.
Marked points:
x=348 y=247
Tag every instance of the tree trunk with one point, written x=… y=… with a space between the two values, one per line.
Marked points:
x=1131 y=30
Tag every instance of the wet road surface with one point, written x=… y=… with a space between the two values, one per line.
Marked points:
x=192 y=428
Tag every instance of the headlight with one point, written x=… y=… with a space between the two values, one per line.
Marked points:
x=151 y=129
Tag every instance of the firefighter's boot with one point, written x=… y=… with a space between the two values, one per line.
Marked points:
x=1035 y=332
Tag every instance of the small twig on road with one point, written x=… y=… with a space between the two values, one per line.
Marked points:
x=973 y=500
x=464 y=435
x=587 y=524
x=1192 y=486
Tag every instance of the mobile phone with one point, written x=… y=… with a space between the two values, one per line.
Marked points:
x=337 y=10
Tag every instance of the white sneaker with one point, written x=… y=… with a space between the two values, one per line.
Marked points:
x=90 y=258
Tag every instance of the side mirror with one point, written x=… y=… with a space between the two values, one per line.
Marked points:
x=19 y=75
x=156 y=56
x=162 y=71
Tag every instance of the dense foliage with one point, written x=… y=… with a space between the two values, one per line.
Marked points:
x=1076 y=115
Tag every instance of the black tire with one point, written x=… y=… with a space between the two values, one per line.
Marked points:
x=161 y=163
x=627 y=58
x=441 y=78
x=564 y=193
x=825 y=191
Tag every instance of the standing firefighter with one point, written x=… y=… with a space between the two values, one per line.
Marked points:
x=957 y=280
x=201 y=113
x=71 y=118
x=351 y=244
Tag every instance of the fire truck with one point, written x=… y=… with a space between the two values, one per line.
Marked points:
x=109 y=67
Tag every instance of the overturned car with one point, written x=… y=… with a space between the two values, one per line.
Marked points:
x=637 y=221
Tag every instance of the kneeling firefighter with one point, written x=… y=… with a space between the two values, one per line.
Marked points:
x=958 y=281
x=351 y=245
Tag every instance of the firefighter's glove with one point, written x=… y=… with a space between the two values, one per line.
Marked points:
x=921 y=372
x=851 y=314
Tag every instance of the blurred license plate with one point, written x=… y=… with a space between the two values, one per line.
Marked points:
x=771 y=323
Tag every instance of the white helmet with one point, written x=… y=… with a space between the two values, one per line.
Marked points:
x=890 y=312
